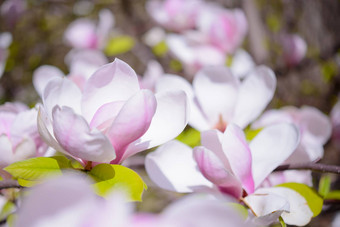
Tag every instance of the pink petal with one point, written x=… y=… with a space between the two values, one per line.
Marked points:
x=74 y=135
x=238 y=153
x=169 y=121
x=216 y=90
x=270 y=148
x=116 y=81
x=105 y=24
x=43 y=74
x=255 y=93
x=213 y=169
x=130 y=124
x=169 y=82
x=172 y=167
x=61 y=92
x=81 y=34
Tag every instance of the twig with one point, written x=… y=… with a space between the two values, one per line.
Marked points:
x=9 y=184
x=318 y=167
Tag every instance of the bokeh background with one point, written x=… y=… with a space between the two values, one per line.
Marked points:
x=38 y=28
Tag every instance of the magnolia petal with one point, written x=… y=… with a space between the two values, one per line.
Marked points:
x=172 y=167
x=105 y=115
x=74 y=135
x=81 y=34
x=106 y=23
x=45 y=130
x=153 y=73
x=242 y=63
x=56 y=202
x=170 y=119
x=6 y=157
x=270 y=148
x=169 y=82
x=42 y=75
x=24 y=150
x=316 y=126
x=255 y=93
x=238 y=153
x=216 y=90
x=213 y=169
x=266 y=206
x=61 y=92
x=130 y=124
x=116 y=81
x=272 y=117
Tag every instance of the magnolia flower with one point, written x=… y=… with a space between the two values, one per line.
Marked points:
x=19 y=137
x=335 y=119
x=69 y=201
x=224 y=161
x=112 y=118
x=176 y=15
x=218 y=98
x=85 y=34
x=152 y=73
x=224 y=28
x=298 y=176
x=192 y=55
x=314 y=126
x=82 y=64
x=5 y=41
x=294 y=49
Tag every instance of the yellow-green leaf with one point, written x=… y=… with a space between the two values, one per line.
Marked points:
x=36 y=169
x=282 y=222
x=251 y=133
x=160 y=49
x=112 y=177
x=190 y=137
x=314 y=201
x=119 y=45
x=240 y=209
x=333 y=195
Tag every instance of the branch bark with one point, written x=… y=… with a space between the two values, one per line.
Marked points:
x=9 y=184
x=318 y=167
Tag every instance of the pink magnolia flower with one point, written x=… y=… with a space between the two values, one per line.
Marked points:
x=218 y=97
x=224 y=28
x=19 y=137
x=85 y=34
x=70 y=201
x=314 y=126
x=112 y=118
x=5 y=41
x=294 y=49
x=153 y=72
x=335 y=119
x=82 y=64
x=225 y=162
x=193 y=55
x=176 y=15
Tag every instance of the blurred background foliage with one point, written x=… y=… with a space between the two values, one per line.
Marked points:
x=38 y=40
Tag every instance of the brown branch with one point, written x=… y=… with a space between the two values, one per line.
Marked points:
x=318 y=167
x=9 y=184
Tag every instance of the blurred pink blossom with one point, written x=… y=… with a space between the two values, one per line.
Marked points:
x=335 y=119
x=86 y=34
x=175 y=15
x=69 y=200
x=5 y=42
x=19 y=137
x=12 y=10
x=294 y=49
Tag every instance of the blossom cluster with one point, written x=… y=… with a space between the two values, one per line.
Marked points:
x=91 y=121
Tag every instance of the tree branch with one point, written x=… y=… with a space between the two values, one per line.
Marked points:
x=9 y=184
x=318 y=167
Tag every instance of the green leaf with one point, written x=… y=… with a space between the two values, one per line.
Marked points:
x=335 y=195
x=314 y=201
x=36 y=169
x=119 y=45
x=283 y=224
x=324 y=185
x=176 y=65
x=160 y=49
x=112 y=177
x=190 y=137
x=240 y=209
x=251 y=133
x=9 y=207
